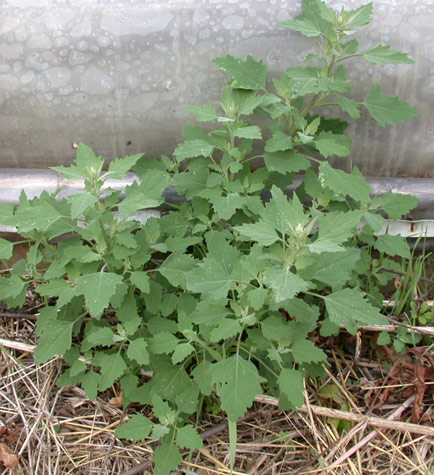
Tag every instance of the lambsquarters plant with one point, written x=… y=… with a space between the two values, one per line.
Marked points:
x=218 y=297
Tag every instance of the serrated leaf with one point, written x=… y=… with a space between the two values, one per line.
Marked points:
x=119 y=167
x=349 y=307
x=384 y=55
x=393 y=245
x=99 y=337
x=395 y=204
x=360 y=16
x=257 y=297
x=55 y=340
x=344 y=183
x=89 y=382
x=203 y=113
x=188 y=438
x=203 y=378
x=387 y=110
x=285 y=215
x=349 y=106
x=315 y=21
x=275 y=328
x=334 y=229
x=181 y=352
x=211 y=278
x=305 y=351
x=249 y=132
x=261 y=232
x=11 y=287
x=238 y=384
x=278 y=142
x=225 y=206
x=288 y=161
x=226 y=328
x=291 y=385
x=112 y=366
x=41 y=219
x=97 y=289
x=163 y=342
x=166 y=458
x=57 y=288
x=87 y=164
x=141 y=280
x=329 y=144
x=147 y=194
x=248 y=74
x=137 y=428
x=284 y=283
x=193 y=148
x=138 y=351
x=175 y=267
x=6 y=249
x=128 y=315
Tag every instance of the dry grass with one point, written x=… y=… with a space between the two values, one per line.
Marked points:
x=59 y=431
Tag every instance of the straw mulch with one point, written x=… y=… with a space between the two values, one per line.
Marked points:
x=49 y=430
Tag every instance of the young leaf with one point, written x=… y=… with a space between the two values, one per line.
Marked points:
x=387 y=110
x=137 y=428
x=360 y=16
x=248 y=74
x=291 y=385
x=305 y=351
x=349 y=307
x=349 y=106
x=238 y=384
x=344 y=183
x=279 y=142
x=188 y=438
x=203 y=113
x=384 y=55
x=97 y=289
x=80 y=203
x=284 y=283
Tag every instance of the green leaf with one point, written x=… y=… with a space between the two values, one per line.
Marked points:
x=181 y=352
x=193 y=148
x=175 y=267
x=112 y=366
x=384 y=55
x=278 y=142
x=203 y=113
x=334 y=229
x=349 y=106
x=387 y=110
x=226 y=328
x=238 y=384
x=261 y=232
x=289 y=161
x=118 y=168
x=225 y=206
x=317 y=18
x=284 y=283
x=89 y=383
x=248 y=74
x=147 y=194
x=329 y=144
x=250 y=132
x=166 y=458
x=87 y=164
x=99 y=337
x=141 y=280
x=291 y=385
x=344 y=183
x=393 y=245
x=191 y=183
x=395 y=204
x=360 y=16
x=349 y=307
x=188 y=438
x=277 y=329
x=39 y=218
x=6 y=249
x=305 y=351
x=138 y=351
x=11 y=287
x=285 y=215
x=137 y=428
x=128 y=315
x=55 y=340
x=211 y=278
x=202 y=376
x=97 y=289
x=163 y=342
x=57 y=288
